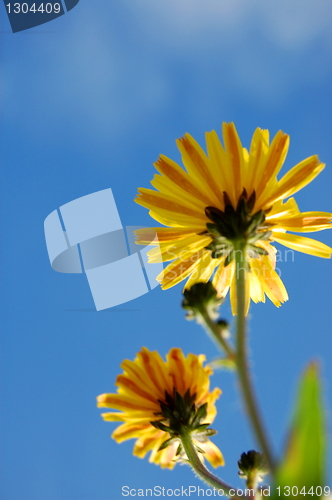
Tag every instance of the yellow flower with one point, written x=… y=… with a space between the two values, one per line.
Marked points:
x=147 y=390
x=226 y=196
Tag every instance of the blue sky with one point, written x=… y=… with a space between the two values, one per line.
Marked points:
x=89 y=101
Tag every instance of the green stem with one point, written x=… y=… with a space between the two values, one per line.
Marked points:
x=239 y=355
x=200 y=468
x=242 y=357
x=216 y=335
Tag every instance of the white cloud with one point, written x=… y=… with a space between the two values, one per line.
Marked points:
x=103 y=75
x=288 y=24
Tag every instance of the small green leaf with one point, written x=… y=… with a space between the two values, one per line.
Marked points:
x=229 y=259
x=166 y=411
x=159 y=425
x=210 y=432
x=303 y=465
x=201 y=427
x=255 y=252
x=167 y=443
x=212 y=228
x=251 y=201
x=199 y=450
x=179 y=450
x=224 y=363
x=200 y=415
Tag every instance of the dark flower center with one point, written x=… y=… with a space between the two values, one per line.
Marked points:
x=233 y=225
x=182 y=415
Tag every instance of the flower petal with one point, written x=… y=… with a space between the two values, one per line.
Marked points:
x=155 y=235
x=178 y=249
x=176 y=364
x=274 y=160
x=159 y=201
x=203 y=272
x=147 y=442
x=270 y=280
x=179 y=269
x=234 y=150
x=121 y=402
x=165 y=186
x=127 y=386
x=256 y=290
x=304 y=245
x=156 y=370
x=212 y=454
x=223 y=278
x=198 y=166
x=137 y=372
x=129 y=431
x=282 y=209
x=233 y=293
x=223 y=173
x=113 y=416
x=305 y=222
x=178 y=220
x=297 y=178
x=258 y=150
x=178 y=177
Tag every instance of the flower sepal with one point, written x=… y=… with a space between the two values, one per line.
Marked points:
x=201 y=298
x=183 y=417
x=168 y=442
x=253 y=467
